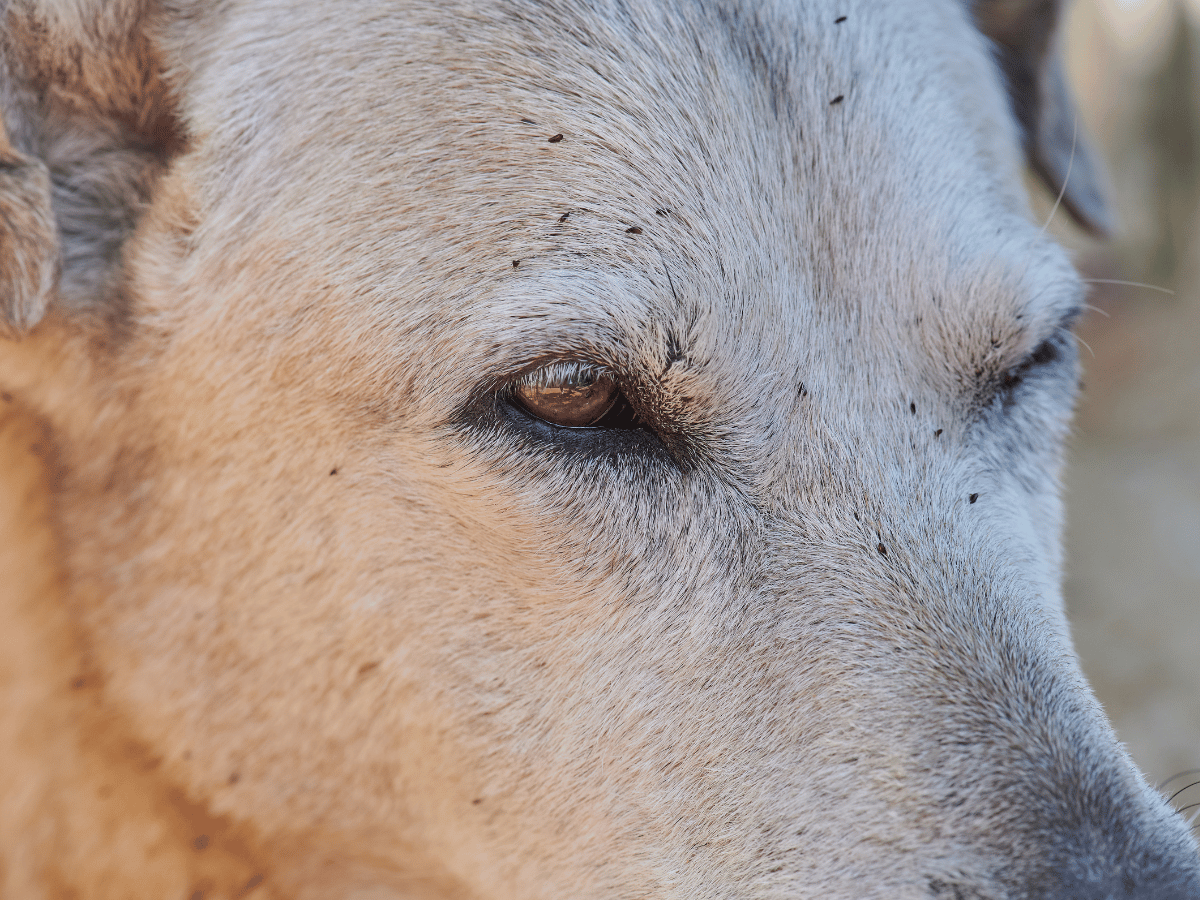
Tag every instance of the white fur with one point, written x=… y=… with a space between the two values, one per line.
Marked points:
x=488 y=660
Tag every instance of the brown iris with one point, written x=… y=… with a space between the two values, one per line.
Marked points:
x=570 y=394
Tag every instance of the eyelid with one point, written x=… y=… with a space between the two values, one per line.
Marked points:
x=562 y=372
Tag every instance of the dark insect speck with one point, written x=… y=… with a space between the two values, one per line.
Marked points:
x=882 y=549
x=528 y=122
x=912 y=407
x=333 y=471
x=803 y=390
x=838 y=99
x=563 y=217
x=973 y=497
x=633 y=229
x=839 y=20
x=938 y=433
x=516 y=262
x=555 y=139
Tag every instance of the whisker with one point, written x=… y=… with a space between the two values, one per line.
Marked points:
x=1195 y=816
x=1066 y=180
x=670 y=282
x=1184 y=774
x=1097 y=309
x=1139 y=284
x=1081 y=340
x=1181 y=790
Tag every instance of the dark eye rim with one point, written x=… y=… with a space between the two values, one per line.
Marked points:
x=503 y=416
x=1052 y=353
x=622 y=415
x=493 y=413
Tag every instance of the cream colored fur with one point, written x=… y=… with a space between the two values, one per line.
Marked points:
x=297 y=604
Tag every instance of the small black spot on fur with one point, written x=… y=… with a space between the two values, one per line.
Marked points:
x=201 y=842
x=477 y=801
x=938 y=433
x=563 y=217
x=6 y=397
x=838 y=99
x=803 y=390
x=839 y=20
x=333 y=471
x=882 y=549
x=633 y=229
x=516 y=262
x=912 y=408
x=973 y=497
x=555 y=139
x=528 y=122
x=662 y=212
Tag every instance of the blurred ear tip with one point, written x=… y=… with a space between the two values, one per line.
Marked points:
x=1093 y=213
x=1058 y=159
x=20 y=315
x=29 y=248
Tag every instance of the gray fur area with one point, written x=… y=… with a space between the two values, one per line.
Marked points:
x=788 y=624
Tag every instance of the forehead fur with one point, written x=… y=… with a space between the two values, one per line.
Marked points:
x=829 y=156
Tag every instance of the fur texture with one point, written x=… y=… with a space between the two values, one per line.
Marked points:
x=305 y=606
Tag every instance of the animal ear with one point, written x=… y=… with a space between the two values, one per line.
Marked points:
x=1024 y=34
x=87 y=126
x=28 y=240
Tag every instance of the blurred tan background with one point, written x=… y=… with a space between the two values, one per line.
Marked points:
x=1133 y=485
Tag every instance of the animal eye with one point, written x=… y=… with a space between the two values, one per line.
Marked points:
x=1046 y=353
x=570 y=394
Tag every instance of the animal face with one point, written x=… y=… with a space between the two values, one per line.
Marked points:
x=522 y=450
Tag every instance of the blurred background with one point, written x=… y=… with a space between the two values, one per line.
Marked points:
x=1133 y=483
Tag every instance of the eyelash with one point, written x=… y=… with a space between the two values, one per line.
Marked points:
x=621 y=417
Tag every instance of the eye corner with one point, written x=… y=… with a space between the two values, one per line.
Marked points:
x=1045 y=356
